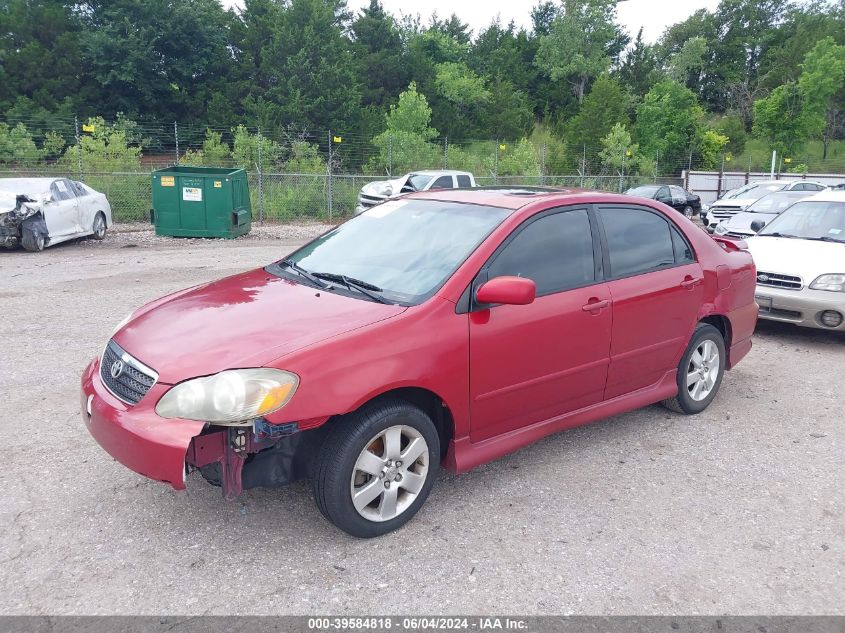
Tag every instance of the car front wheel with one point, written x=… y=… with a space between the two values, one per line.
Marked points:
x=688 y=211
x=700 y=371
x=98 y=230
x=376 y=467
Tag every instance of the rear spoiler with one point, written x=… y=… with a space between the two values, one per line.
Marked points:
x=730 y=244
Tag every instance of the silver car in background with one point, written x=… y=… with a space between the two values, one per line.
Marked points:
x=738 y=200
x=40 y=212
x=374 y=193
x=759 y=214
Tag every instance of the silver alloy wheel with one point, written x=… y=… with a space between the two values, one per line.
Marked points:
x=99 y=226
x=703 y=370
x=389 y=473
x=688 y=211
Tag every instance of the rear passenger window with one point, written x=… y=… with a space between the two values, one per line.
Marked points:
x=554 y=251
x=464 y=181
x=444 y=182
x=638 y=241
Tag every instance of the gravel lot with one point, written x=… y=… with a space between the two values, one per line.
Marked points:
x=739 y=510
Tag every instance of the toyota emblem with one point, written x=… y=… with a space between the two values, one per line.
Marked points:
x=762 y=278
x=116 y=369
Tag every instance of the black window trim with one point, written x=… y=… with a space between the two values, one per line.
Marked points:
x=467 y=301
x=606 y=249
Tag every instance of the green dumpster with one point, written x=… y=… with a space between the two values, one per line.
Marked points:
x=201 y=202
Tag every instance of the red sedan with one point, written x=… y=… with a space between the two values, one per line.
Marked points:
x=444 y=329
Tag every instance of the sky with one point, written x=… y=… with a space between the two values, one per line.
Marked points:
x=653 y=15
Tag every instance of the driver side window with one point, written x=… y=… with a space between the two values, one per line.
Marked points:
x=444 y=182
x=554 y=251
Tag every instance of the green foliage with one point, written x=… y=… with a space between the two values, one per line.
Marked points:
x=17 y=146
x=105 y=149
x=405 y=144
x=577 y=47
x=711 y=148
x=822 y=77
x=53 y=145
x=686 y=65
x=605 y=106
x=779 y=119
x=246 y=148
x=518 y=159
x=618 y=150
x=214 y=152
x=732 y=127
x=668 y=122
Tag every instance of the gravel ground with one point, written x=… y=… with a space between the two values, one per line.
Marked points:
x=739 y=510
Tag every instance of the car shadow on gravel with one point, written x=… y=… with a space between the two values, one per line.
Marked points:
x=788 y=333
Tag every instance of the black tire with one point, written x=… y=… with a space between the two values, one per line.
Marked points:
x=32 y=240
x=684 y=402
x=689 y=212
x=98 y=231
x=337 y=457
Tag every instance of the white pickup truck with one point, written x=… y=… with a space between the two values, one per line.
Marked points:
x=375 y=192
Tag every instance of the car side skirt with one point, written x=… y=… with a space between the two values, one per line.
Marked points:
x=464 y=455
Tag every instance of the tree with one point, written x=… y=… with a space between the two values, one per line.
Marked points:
x=638 y=70
x=16 y=146
x=668 y=122
x=406 y=143
x=39 y=54
x=310 y=67
x=153 y=57
x=687 y=64
x=508 y=113
x=377 y=44
x=465 y=93
x=779 y=119
x=580 y=43
x=605 y=106
x=822 y=78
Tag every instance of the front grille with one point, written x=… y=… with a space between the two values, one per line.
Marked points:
x=776 y=280
x=369 y=201
x=724 y=212
x=134 y=379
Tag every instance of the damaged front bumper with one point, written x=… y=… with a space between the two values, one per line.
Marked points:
x=236 y=458
x=12 y=218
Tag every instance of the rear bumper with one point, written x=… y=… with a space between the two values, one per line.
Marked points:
x=135 y=435
x=800 y=307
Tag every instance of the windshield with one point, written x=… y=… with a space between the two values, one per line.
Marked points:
x=418 y=181
x=813 y=220
x=643 y=192
x=740 y=193
x=405 y=248
x=776 y=202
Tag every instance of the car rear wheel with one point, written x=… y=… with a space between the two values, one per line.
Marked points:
x=700 y=371
x=98 y=230
x=376 y=467
x=688 y=211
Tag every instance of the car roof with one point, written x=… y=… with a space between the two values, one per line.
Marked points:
x=516 y=197
x=439 y=172
x=28 y=186
x=828 y=195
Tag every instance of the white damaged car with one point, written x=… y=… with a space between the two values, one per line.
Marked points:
x=39 y=212
x=374 y=193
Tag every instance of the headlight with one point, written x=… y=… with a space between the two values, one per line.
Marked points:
x=231 y=396
x=834 y=282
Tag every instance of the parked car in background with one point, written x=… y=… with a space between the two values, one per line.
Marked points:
x=739 y=199
x=374 y=193
x=676 y=197
x=442 y=328
x=759 y=213
x=800 y=257
x=40 y=212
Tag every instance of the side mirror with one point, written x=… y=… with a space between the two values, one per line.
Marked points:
x=757 y=225
x=515 y=291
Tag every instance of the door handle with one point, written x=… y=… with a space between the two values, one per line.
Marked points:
x=690 y=283
x=595 y=305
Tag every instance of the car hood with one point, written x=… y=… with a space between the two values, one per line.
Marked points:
x=396 y=185
x=248 y=320
x=743 y=220
x=803 y=258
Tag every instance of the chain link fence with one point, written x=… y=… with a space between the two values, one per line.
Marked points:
x=300 y=175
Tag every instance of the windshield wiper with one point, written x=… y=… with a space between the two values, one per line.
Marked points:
x=303 y=273
x=363 y=287
x=776 y=234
